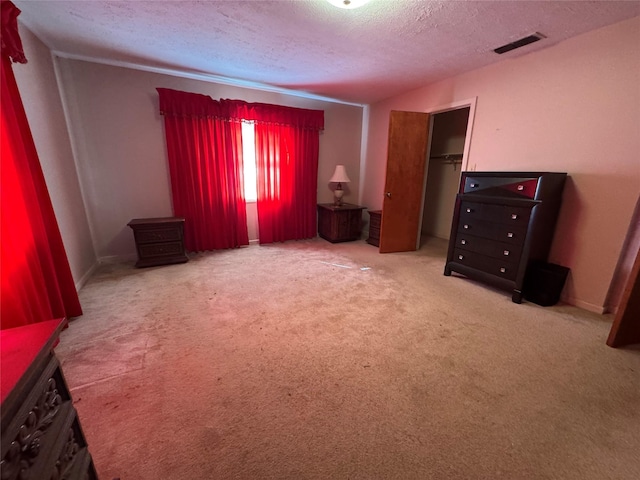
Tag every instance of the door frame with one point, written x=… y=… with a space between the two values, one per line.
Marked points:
x=471 y=103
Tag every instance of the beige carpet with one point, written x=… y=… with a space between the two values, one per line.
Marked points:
x=308 y=360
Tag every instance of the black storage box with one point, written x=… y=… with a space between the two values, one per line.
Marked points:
x=544 y=283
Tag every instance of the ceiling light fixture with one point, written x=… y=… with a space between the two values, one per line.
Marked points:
x=347 y=4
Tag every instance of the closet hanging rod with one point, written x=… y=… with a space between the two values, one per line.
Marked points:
x=447 y=156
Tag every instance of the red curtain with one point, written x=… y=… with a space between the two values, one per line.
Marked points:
x=36 y=280
x=204 y=146
x=287 y=148
x=204 y=142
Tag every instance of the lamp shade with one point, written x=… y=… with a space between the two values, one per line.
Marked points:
x=340 y=175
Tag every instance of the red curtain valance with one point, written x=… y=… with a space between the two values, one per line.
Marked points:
x=177 y=103
x=174 y=103
x=279 y=115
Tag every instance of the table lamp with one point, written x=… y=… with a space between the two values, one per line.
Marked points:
x=339 y=176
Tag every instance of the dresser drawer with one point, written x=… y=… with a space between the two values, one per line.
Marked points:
x=513 y=235
x=492 y=248
x=506 y=214
x=500 y=268
x=501 y=186
x=172 y=234
x=160 y=249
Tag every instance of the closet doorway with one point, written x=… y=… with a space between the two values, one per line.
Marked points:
x=447 y=153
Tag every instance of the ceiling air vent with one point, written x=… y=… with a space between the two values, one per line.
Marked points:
x=519 y=43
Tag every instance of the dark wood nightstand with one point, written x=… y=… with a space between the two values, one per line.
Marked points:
x=339 y=224
x=159 y=241
x=374 y=227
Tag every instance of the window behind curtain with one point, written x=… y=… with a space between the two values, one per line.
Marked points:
x=249 y=161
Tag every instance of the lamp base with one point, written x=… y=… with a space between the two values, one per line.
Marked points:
x=338 y=193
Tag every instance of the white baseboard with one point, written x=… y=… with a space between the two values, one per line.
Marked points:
x=599 y=309
x=111 y=259
x=85 y=278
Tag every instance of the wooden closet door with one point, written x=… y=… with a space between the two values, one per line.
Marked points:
x=626 y=326
x=406 y=166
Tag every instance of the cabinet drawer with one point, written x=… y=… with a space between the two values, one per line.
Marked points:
x=375 y=218
x=494 y=266
x=492 y=248
x=172 y=234
x=513 y=187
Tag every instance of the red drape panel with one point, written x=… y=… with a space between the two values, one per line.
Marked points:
x=287 y=149
x=287 y=170
x=204 y=147
x=36 y=280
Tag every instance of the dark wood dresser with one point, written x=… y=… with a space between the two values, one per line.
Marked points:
x=41 y=435
x=503 y=223
x=375 y=217
x=339 y=224
x=159 y=241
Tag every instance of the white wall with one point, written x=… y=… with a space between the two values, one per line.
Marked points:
x=121 y=150
x=573 y=107
x=39 y=91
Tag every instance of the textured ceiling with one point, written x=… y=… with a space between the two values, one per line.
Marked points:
x=361 y=56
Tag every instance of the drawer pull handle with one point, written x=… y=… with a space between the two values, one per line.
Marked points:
x=465 y=226
x=503 y=270
x=460 y=257
x=514 y=216
x=510 y=234
x=506 y=253
x=469 y=210
x=520 y=188
x=463 y=242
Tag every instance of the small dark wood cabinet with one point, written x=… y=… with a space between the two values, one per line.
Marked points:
x=159 y=241
x=503 y=223
x=375 y=217
x=339 y=224
x=41 y=434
